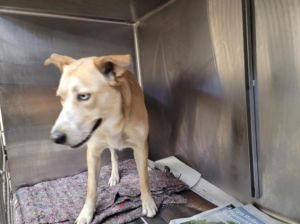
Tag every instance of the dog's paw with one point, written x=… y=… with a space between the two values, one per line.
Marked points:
x=149 y=206
x=85 y=216
x=114 y=178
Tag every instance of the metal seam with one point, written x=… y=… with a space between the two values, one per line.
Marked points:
x=154 y=11
x=137 y=55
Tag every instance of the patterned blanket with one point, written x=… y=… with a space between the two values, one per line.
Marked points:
x=60 y=200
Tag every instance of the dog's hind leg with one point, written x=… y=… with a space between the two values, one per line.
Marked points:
x=141 y=160
x=114 y=177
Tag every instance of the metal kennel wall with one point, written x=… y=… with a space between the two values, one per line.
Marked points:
x=278 y=73
x=220 y=79
x=195 y=89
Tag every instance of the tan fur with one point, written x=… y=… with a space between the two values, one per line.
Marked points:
x=119 y=101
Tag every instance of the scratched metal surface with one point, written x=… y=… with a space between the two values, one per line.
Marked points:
x=278 y=72
x=192 y=61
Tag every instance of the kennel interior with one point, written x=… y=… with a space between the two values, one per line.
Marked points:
x=220 y=78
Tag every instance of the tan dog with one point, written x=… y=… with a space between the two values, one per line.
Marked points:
x=103 y=105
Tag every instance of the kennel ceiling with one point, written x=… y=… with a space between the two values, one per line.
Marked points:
x=125 y=10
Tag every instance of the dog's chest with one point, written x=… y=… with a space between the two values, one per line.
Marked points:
x=114 y=135
x=117 y=142
x=115 y=139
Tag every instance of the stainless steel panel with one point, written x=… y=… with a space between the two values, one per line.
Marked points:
x=126 y=10
x=26 y=41
x=278 y=72
x=2 y=205
x=27 y=88
x=192 y=63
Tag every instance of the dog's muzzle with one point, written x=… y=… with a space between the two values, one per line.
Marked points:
x=96 y=125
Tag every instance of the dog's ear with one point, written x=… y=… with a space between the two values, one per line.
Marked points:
x=113 y=66
x=59 y=60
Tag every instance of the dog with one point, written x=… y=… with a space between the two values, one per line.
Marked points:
x=102 y=106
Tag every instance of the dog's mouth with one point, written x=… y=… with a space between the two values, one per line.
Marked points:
x=96 y=125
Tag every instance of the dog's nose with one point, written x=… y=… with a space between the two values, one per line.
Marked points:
x=59 y=137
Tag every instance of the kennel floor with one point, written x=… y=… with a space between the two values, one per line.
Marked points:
x=195 y=205
x=33 y=200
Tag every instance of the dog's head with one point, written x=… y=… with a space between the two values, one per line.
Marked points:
x=88 y=94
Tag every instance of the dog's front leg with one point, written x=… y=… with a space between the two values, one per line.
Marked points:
x=141 y=160
x=93 y=163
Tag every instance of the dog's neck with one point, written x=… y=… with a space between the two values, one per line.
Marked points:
x=125 y=92
x=117 y=121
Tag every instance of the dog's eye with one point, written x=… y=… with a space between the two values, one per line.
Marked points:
x=83 y=96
